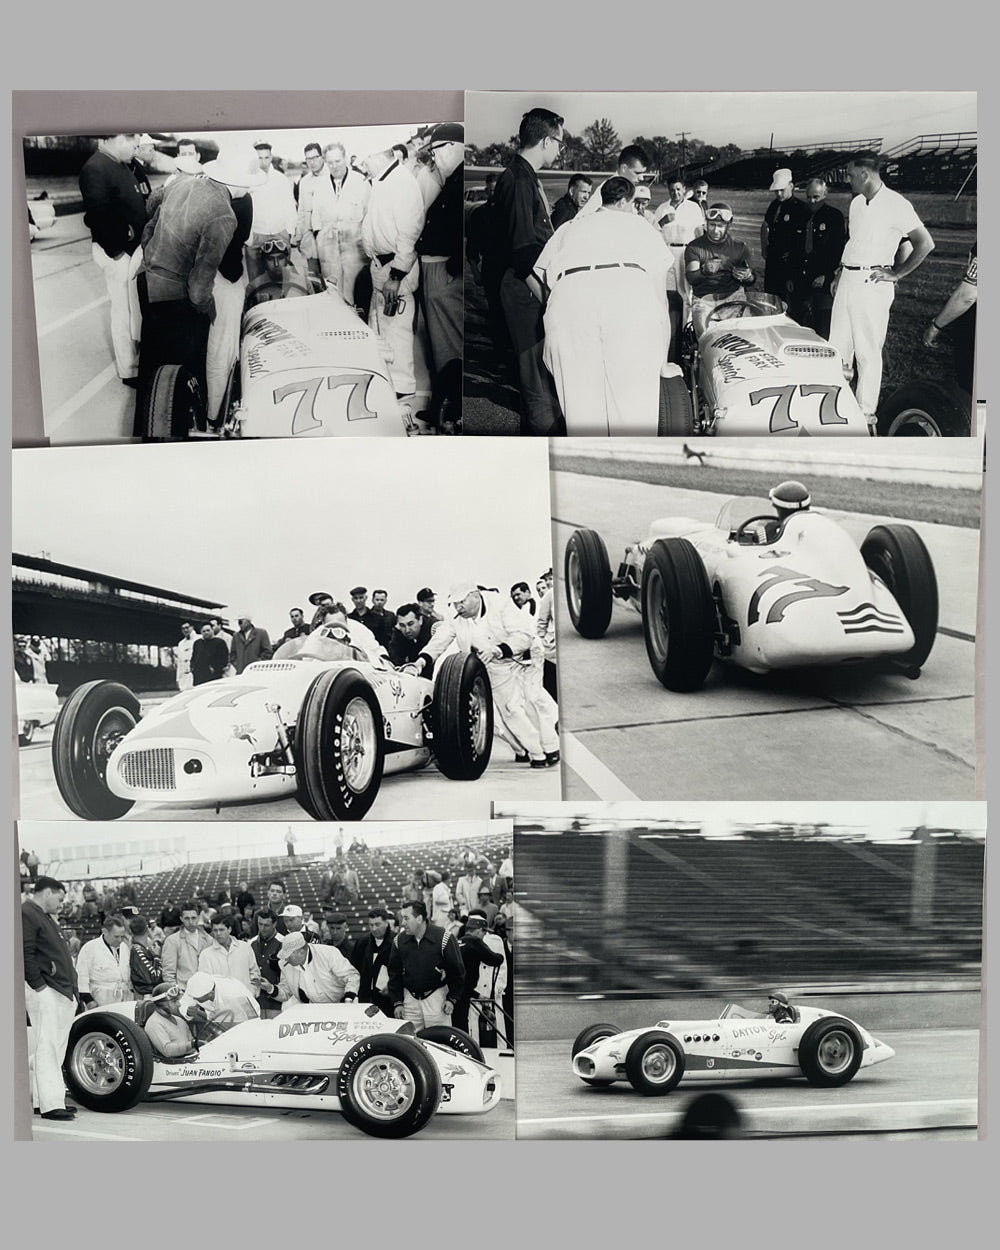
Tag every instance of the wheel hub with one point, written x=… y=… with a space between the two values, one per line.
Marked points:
x=385 y=1087
x=658 y=1064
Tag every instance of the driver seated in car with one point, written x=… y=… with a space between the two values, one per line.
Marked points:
x=215 y=1003
x=280 y=279
x=788 y=498
x=780 y=1008
x=168 y=1031
x=717 y=267
x=334 y=637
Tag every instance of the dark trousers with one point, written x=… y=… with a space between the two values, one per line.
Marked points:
x=811 y=307
x=540 y=412
x=173 y=333
x=549 y=679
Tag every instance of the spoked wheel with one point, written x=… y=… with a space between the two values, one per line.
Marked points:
x=462 y=716
x=92 y=722
x=340 y=746
x=830 y=1051
x=388 y=1086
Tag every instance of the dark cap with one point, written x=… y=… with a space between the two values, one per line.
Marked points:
x=338 y=918
x=448 y=132
x=317 y=597
x=359 y=590
x=425 y=594
x=477 y=917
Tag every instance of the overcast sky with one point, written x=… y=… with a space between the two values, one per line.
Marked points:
x=744 y=118
x=258 y=525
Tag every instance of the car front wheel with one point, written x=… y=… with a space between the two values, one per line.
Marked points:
x=654 y=1063
x=897 y=555
x=678 y=614
x=340 y=746
x=109 y=1062
x=588 y=583
x=926 y=410
x=462 y=717
x=91 y=723
x=388 y=1086
x=830 y=1051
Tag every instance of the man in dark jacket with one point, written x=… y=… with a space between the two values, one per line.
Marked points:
x=50 y=996
x=476 y=956
x=426 y=972
x=209 y=657
x=371 y=958
x=265 y=947
x=822 y=245
x=411 y=634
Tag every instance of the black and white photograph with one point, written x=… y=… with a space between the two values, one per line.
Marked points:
x=283 y=631
x=744 y=263
x=269 y=982
x=745 y=624
x=761 y=970
x=269 y=283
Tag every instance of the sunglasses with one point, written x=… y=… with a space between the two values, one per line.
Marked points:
x=719 y=214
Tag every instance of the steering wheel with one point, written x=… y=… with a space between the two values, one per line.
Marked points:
x=742 y=534
x=732 y=309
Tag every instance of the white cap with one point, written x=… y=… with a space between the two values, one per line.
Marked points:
x=643 y=193
x=240 y=170
x=461 y=588
x=292 y=910
x=782 y=179
x=294 y=942
x=144 y=139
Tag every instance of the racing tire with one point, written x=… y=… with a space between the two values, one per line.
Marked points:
x=926 y=410
x=340 y=746
x=173 y=404
x=462 y=717
x=588 y=583
x=89 y=726
x=654 y=1063
x=109 y=1062
x=455 y=1039
x=676 y=410
x=896 y=554
x=591 y=1034
x=388 y=1086
x=678 y=615
x=830 y=1052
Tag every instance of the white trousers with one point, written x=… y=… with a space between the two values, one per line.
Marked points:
x=423 y=1012
x=116 y=278
x=510 y=701
x=858 y=326
x=542 y=708
x=341 y=257
x=223 y=338
x=397 y=331
x=51 y=1015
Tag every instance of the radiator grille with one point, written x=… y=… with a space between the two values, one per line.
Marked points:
x=148 y=770
x=807 y=349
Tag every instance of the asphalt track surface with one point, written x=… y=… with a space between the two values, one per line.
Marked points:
x=199 y=1122
x=808 y=734
x=930 y=1087
x=425 y=794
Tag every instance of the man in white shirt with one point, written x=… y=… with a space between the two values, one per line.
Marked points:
x=305 y=236
x=103 y=966
x=389 y=234
x=274 y=211
x=339 y=204
x=182 y=949
x=872 y=264
x=680 y=221
x=632 y=164
x=607 y=333
x=441 y=900
x=226 y=957
x=182 y=656
x=311 y=973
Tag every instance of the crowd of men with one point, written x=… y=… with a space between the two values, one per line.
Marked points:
x=183 y=259
x=512 y=632
x=589 y=296
x=444 y=955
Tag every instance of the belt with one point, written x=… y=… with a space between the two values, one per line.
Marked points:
x=859 y=267
x=420 y=995
x=616 y=264
x=676 y=245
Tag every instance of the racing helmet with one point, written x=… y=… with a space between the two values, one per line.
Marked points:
x=790 y=497
x=777 y=996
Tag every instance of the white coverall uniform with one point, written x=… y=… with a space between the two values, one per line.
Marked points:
x=860 y=316
x=391 y=228
x=303 y=223
x=607 y=332
x=336 y=217
x=182 y=654
x=231 y=1005
x=103 y=973
x=541 y=706
x=325 y=977
x=499 y=626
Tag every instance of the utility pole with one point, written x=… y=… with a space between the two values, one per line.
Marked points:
x=682 y=135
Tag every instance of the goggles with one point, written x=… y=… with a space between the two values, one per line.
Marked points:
x=719 y=214
x=274 y=246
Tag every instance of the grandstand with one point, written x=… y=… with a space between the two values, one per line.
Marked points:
x=694 y=913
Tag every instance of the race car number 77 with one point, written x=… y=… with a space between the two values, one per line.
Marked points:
x=305 y=415
x=781 y=414
x=811 y=588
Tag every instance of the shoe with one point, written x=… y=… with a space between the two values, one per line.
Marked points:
x=60 y=1113
x=133 y=383
x=522 y=759
x=539 y=763
x=551 y=757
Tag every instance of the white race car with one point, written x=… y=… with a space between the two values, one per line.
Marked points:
x=37 y=706
x=384 y=1078
x=320 y=728
x=825 y=1048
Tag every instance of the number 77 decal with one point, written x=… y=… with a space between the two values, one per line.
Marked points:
x=781 y=414
x=305 y=416
x=811 y=589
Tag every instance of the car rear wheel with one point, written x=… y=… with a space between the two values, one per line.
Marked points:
x=462 y=717
x=591 y=1034
x=896 y=554
x=926 y=410
x=455 y=1039
x=388 y=1086
x=676 y=411
x=109 y=1062
x=340 y=746
x=830 y=1051
x=173 y=404
x=654 y=1063
x=92 y=722
x=588 y=583
x=678 y=614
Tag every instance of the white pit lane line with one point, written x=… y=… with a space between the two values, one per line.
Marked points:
x=51 y=1130
x=604 y=783
x=69 y=317
x=63 y=413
